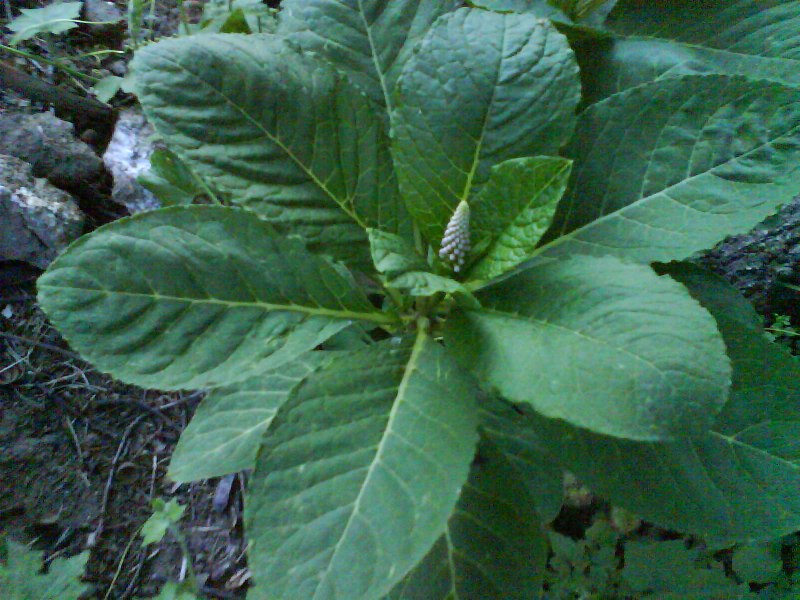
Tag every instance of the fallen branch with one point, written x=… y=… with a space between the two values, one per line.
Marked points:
x=84 y=113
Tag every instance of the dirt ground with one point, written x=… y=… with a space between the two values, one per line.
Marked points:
x=82 y=457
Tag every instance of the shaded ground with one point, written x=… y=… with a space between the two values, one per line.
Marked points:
x=82 y=457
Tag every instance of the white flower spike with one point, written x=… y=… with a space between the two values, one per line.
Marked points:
x=455 y=243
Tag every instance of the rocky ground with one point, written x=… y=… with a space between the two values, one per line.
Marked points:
x=82 y=456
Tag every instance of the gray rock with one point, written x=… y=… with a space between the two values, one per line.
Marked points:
x=107 y=13
x=49 y=145
x=127 y=157
x=38 y=219
x=762 y=262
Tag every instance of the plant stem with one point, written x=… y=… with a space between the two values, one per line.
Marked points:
x=176 y=532
x=782 y=331
x=396 y=297
x=418 y=244
x=98 y=53
x=183 y=19
x=49 y=61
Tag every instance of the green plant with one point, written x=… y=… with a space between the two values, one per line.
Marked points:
x=165 y=517
x=409 y=424
x=21 y=577
x=587 y=568
x=782 y=328
x=50 y=20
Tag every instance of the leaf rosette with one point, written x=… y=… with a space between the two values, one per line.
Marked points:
x=428 y=289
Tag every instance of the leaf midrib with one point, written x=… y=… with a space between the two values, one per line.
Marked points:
x=657 y=195
x=373 y=317
x=476 y=157
x=374 y=57
x=732 y=440
x=410 y=369
x=342 y=204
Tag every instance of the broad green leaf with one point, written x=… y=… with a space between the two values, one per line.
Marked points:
x=225 y=433
x=279 y=132
x=419 y=283
x=493 y=546
x=57 y=17
x=172 y=182
x=514 y=209
x=369 y=40
x=393 y=255
x=484 y=88
x=601 y=344
x=359 y=473
x=508 y=429
x=671 y=167
x=755 y=38
x=165 y=514
x=21 y=579
x=198 y=296
x=718 y=297
x=738 y=482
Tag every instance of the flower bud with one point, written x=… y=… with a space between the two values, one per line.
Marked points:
x=455 y=242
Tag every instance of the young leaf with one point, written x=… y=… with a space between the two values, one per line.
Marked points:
x=599 y=343
x=671 y=167
x=198 y=296
x=514 y=209
x=164 y=515
x=360 y=472
x=57 y=17
x=493 y=546
x=258 y=16
x=753 y=38
x=20 y=577
x=171 y=180
x=280 y=132
x=515 y=82
x=738 y=481
x=225 y=433
x=369 y=40
x=393 y=255
x=419 y=283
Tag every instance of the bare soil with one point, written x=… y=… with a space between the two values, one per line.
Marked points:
x=82 y=457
